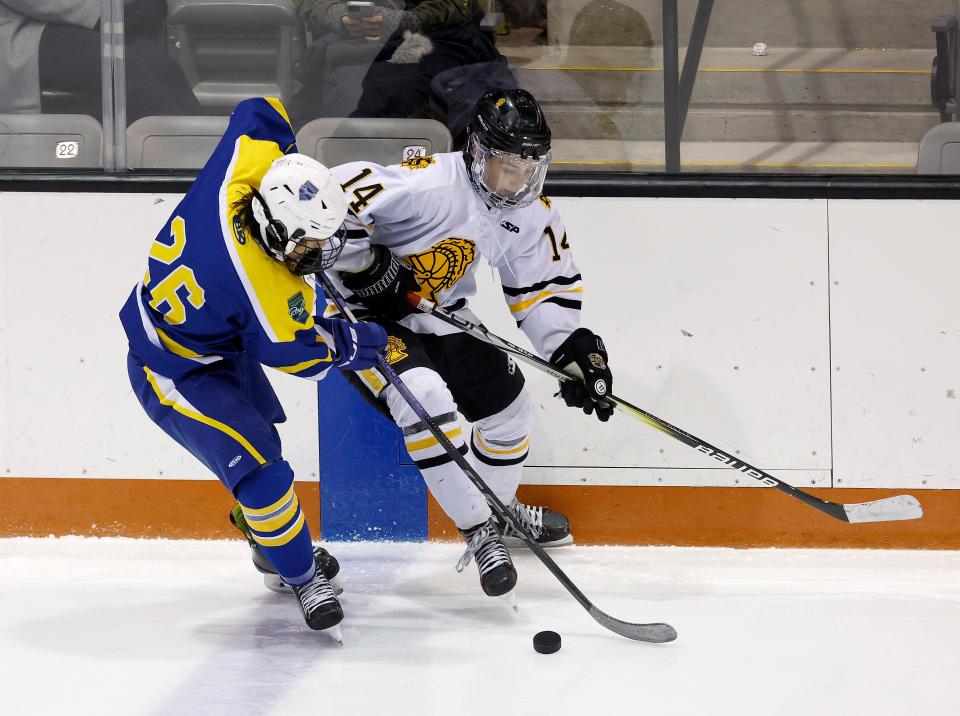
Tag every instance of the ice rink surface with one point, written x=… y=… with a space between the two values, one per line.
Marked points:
x=113 y=626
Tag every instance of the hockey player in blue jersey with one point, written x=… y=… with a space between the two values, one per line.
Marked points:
x=229 y=286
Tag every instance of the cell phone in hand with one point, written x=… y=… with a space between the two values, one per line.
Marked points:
x=357 y=10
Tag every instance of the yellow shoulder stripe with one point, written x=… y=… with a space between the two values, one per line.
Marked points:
x=269 y=284
x=278 y=105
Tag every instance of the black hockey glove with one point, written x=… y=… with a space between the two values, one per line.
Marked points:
x=583 y=355
x=383 y=287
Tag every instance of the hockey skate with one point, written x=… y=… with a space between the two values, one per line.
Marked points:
x=498 y=576
x=547 y=527
x=325 y=561
x=319 y=605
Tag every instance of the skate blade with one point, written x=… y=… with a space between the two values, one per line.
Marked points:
x=275 y=584
x=335 y=633
x=511 y=599
x=515 y=542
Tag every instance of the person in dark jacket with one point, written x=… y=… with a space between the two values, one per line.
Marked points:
x=431 y=57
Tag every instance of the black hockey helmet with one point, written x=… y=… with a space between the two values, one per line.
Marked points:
x=511 y=121
x=508 y=148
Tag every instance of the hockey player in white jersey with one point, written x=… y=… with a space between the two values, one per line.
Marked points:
x=421 y=226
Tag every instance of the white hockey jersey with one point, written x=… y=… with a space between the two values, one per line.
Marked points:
x=427 y=212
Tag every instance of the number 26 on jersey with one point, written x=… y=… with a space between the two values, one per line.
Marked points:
x=179 y=283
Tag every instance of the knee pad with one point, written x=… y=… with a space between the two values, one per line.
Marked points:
x=428 y=388
x=514 y=421
x=432 y=393
x=504 y=438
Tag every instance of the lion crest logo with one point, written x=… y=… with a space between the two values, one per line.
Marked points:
x=396 y=350
x=418 y=162
x=441 y=266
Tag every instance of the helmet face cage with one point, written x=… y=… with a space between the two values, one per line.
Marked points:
x=508 y=148
x=306 y=255
x=506 y=180
x=300 y=253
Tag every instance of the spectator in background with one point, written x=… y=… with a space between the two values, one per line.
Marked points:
x=417 y=42
x=332 y=70
x=55 y=46
x=518 y=14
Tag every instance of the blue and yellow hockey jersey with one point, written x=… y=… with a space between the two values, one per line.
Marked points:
x=210 y=291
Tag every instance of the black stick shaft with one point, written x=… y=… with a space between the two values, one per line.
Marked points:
x=833 y=509
x=640 y=632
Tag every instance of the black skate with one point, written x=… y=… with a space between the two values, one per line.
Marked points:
x=325 y=561
x=319 y=605
x=498 y=576
x=547 y=527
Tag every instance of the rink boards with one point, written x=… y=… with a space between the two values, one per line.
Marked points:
x=816 y=339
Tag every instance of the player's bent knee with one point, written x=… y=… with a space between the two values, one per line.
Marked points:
x=428 y=388
x=432 y=393
x=503 y=439
x=514 y=421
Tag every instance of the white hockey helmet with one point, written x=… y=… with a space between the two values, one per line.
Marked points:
x=300 y=208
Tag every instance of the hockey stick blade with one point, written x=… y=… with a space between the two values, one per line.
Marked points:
x=650 y=633
x=653 y=633
x=889 y=509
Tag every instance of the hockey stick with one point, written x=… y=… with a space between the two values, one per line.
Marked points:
x=655 y=633
x=889 y=509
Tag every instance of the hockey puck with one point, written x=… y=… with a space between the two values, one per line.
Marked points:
x=546 y=642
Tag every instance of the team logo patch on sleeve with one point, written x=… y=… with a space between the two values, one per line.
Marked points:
x=297 y=308
x=396 y=350
x=308 y=190
x=418 y=162
x=545 y=200
x=238 y=231
x=440 y=267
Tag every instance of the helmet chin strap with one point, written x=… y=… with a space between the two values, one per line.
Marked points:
x=275 y=241
x=271 y=230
